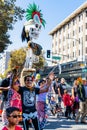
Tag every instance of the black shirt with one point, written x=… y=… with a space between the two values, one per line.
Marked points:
x=28 y=99
x=5 y=83
x=62 y=88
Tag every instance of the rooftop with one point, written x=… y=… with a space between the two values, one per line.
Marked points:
x=70 y=17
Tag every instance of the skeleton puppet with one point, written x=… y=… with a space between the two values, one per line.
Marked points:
x=31 y=31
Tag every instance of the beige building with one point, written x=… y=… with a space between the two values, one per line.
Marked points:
x=69 y=38
x=4 y=62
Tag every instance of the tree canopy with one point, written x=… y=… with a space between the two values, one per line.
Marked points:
x=9 y=14
x=18 y=57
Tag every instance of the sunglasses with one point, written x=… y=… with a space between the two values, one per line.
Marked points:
x=42 y=82
x=15 y=116
x=28 y=80
x=17 y=82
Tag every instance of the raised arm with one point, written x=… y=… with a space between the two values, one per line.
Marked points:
x=72 y=91
x=46 y=87
x=4 y=88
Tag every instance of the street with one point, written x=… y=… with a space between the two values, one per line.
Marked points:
x=60 y=124
x=64 y=124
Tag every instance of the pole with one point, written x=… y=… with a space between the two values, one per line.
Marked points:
x=58 y=65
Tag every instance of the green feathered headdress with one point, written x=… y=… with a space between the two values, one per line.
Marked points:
x=33 y=10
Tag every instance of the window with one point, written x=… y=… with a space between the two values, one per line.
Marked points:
x=73 y=54
x=71 y=65
x=64 y=28
x=79 y=52
x=68 y=25
x=79 y=41
x=60 y=31
x=86 y=26
x=73 y=43
x=68 y=35
x=68 y=55
x=53 y=36
x=86 y=13
x=79 y=18
x=68 y=46
x=73 y=22
x=79 y=29
x=73 y=33
x=82 y=16
x=86 y=50
x=86 y=38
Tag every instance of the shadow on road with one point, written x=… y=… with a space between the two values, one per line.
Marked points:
x=55 y=123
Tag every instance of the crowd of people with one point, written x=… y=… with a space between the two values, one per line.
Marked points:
x=28 y=104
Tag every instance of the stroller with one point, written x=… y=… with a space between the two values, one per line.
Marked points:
x=54 y=107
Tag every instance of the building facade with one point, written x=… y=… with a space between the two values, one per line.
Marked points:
x=69 y=38
x=69 y=42
x=4 y=62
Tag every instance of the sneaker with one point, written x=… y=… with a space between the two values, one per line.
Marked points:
x=83 y=122
x=47 y=123
x=42 y=125
x=74 y=117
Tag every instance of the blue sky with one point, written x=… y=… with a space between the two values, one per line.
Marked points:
x=54 y=12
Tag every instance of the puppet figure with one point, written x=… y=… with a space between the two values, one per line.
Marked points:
x=31 y=30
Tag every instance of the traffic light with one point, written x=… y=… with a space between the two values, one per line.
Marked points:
x=48 y=53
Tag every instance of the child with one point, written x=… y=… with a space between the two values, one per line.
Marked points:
x=13 y=97
x=52 y=101
x=67 y=103
x=41 y=103
x=13 y=115
x=53 y=105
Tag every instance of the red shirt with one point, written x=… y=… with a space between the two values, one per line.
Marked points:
x=67 y=100
x=16 y=128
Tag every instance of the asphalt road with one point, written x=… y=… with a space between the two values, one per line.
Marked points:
x=64 y=124
x=55 y=123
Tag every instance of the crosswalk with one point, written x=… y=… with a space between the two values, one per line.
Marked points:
x=55 y=123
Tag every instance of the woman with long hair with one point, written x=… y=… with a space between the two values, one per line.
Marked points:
x=13 y=97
